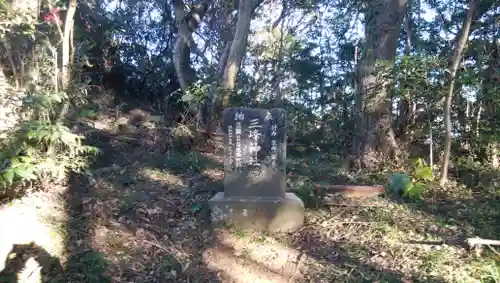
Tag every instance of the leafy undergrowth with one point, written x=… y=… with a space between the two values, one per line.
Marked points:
x=392 y=238
x=140 y=215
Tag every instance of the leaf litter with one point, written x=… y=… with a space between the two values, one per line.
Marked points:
x=141 y=215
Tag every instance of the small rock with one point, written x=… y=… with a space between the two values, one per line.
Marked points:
x=92 y=181
x=173 y=273
x=140 y=232
x=433 y=228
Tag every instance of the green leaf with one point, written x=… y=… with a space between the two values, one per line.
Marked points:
x=30 y=151
x=3 y=184
x=16 y=162
x=69 y=138
x=424 y=173
x=25 y=172
x=25 y=159
x=31 y=134
x=419 y=162
x=415 y=191
x=87 y=113
x=8 y=176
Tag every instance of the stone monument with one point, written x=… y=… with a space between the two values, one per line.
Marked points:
x=255 y=194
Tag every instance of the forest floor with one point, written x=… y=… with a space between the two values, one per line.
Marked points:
x=140 y=215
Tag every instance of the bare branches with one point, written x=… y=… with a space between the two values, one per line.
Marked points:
x=283 y=14
x=453 y=64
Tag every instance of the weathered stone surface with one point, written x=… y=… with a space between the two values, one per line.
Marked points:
x=255 y=177
x=255 y=152
x=280 y=214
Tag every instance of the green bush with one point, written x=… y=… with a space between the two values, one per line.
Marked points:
x=42 y=146
x=411 y=184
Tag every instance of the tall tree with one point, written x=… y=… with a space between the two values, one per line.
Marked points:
x=66 y=42
x=453 y=64
x=230 y=58
x=375 y=136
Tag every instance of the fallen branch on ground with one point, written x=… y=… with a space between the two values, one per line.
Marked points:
x=472 y=243
x=476 y=244
x=351 y=190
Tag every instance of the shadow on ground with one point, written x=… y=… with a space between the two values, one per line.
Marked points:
x=19 y=259
x=455 y=220
x=425 y=239
x=349 y=262
x=141 y=215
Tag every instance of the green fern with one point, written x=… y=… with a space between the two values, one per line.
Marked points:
x=43 y=145
x=422 y=171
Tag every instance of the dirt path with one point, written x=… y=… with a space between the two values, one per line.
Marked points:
x=145 y=211
x=254 y=258
x=141 y=215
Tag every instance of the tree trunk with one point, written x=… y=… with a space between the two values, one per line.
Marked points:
x=233 y=60
x=454 y=61
x=489 y=140
x=407 y=104
x=13 y=65
x=238 y=46
x=66 y=44
x=278 y=101
x=384 y=19
x=231 y=57
x=186 y=25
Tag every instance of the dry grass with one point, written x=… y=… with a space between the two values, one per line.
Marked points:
x=140 y=215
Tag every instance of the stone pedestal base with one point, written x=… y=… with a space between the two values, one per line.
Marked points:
x=260 y=214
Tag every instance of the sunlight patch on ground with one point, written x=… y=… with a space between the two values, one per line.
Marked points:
x=214 y=173
x=31 y=272
x=393 y=237
x=253 y=257
x=233 y=269
x=162 y=176
x=265 y=251
x=118 y=245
